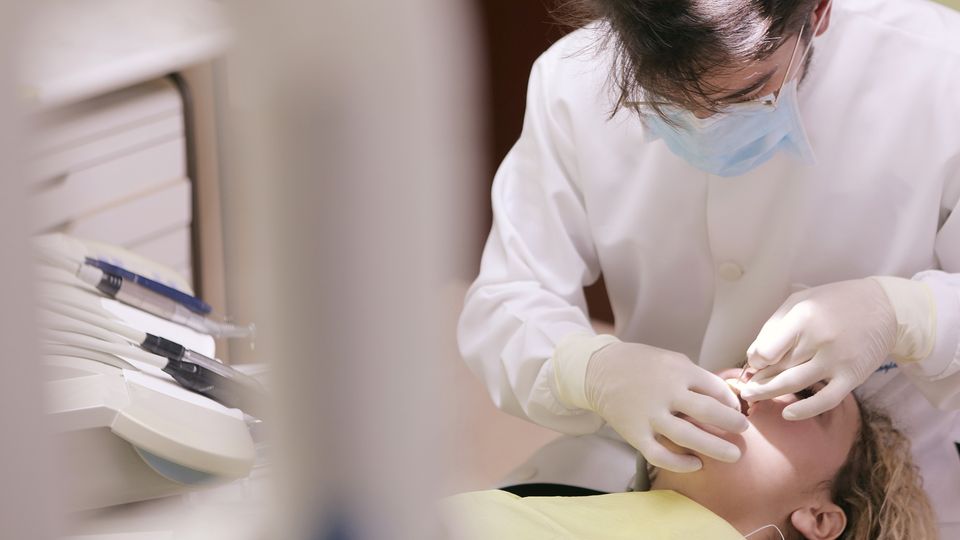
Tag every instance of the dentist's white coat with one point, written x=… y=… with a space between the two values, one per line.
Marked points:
x=696 y=263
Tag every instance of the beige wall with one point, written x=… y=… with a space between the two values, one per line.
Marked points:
x=27 y=468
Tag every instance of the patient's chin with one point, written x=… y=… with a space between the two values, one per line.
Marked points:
x=706 y=460
x=712 y=468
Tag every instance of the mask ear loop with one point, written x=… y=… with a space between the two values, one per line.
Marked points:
x=766 y=527
x=796 y=48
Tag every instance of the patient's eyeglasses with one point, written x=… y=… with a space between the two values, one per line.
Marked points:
x=763 y=102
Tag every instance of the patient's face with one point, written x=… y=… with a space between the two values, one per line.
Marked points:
x=781 y=461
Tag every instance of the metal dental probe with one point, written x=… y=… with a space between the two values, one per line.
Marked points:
x=742 y=373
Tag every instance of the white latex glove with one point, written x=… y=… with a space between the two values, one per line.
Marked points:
x=639 y=390
x=840 y=334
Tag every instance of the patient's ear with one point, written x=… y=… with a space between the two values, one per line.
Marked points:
x=820 y=521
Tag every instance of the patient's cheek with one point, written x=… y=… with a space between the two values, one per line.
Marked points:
x=784 y=446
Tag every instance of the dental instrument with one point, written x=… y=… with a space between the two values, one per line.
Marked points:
x=142 y=293
x=742 y=372
x=192 y=370
x=50 y=350
x=192 y=303
x=135 y=294
x=92 y=344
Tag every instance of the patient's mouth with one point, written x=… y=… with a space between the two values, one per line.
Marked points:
x=745 y=405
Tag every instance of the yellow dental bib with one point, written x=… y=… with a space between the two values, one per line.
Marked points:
x=651 y=515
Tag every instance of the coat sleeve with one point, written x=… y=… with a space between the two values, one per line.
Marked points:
x=938 y=375
x=538 y=257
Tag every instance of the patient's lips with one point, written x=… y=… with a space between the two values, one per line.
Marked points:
x=745 y=406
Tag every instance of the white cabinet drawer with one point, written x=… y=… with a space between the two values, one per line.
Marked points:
x=105 y=115
x=143 y=217
x=171 y=249
x=114 y=169
x=82 y=192
x=99 y=150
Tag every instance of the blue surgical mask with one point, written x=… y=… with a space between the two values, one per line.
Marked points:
x=737 y=140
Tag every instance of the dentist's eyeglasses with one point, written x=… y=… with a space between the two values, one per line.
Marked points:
x=762 y=103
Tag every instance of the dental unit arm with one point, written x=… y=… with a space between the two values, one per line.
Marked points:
x=140 y=406
x=191 y=369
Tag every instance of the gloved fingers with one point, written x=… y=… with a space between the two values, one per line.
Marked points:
x=710 y=384
x=797 y=356
x=827 y=398
x=777 y=337
x=771 y=323
x=659 y=456
x=687 y=435
x=707 y=410
x=789 y=381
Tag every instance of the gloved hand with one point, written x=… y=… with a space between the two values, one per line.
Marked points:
x=838 y=333
x=638 y=390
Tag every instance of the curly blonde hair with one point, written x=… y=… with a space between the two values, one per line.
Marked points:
x=879 y=488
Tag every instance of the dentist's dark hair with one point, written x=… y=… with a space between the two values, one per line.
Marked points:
x=668 y=48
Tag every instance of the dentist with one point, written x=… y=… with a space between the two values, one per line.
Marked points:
x=770 y=180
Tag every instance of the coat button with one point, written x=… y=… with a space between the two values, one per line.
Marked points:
x=730 y=271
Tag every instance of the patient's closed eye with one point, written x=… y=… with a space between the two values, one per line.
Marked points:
x=810 y=390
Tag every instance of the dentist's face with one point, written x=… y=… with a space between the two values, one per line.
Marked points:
x=782 y=461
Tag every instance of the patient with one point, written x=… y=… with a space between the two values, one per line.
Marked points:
x=845 y=474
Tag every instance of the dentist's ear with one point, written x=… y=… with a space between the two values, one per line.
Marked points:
x=819 y=521
x=824 y=10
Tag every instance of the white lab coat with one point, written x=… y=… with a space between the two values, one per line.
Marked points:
x=696 y=263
